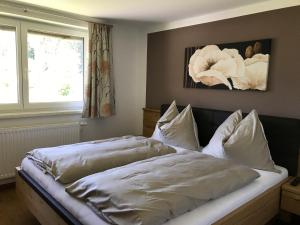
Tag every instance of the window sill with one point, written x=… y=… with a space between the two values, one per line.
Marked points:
x=17 y=115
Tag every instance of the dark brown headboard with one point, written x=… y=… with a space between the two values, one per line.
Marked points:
x=283 y=134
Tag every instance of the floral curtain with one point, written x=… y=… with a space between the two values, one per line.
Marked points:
x=98 y=85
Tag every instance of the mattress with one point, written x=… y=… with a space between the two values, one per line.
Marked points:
x=203 y=215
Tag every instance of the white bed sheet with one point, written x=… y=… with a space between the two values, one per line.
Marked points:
x=203 y=215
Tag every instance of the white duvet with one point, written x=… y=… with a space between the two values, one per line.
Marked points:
x=69 y=163
x=155 y=190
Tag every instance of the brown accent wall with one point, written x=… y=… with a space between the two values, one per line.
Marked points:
x=165 y=63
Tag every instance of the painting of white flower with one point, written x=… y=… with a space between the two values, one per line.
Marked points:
x=233 y=66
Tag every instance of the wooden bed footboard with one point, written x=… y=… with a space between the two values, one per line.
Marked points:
x=36 y=204
x=258 y=211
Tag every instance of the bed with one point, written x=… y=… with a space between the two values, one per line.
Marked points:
x=257 y=202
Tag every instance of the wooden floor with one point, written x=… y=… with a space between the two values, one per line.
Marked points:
x=12 y=210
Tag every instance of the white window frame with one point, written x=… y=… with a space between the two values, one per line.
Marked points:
x=22 y=28
x=5 y=22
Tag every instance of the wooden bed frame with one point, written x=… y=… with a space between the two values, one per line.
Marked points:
x=258 y=211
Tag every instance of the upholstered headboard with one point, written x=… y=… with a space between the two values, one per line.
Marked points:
x=283 y=134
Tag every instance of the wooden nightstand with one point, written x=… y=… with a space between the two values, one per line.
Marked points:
x=290 y=198
x=151 y=116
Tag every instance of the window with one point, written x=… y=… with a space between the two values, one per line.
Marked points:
x=8 y=66
x=55 y=67
x=41 y=66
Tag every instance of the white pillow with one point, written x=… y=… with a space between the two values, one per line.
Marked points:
x=182 y=131
x=215 y=145
x=170 y=114
x=249 y=146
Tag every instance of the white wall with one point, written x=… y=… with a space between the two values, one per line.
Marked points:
x=141 y=77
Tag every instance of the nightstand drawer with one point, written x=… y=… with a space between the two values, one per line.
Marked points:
x=149 y=124
x=147 y=132
x=151 y=116
x=290 y=202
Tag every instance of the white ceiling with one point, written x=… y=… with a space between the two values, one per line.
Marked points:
x=142 y=10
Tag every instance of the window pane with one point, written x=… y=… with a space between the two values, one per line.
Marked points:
x=55 y=68
x=8 y=66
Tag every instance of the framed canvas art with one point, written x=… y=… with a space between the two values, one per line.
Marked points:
x=232 y=66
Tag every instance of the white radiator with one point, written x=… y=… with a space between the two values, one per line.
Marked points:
x=15 y=142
